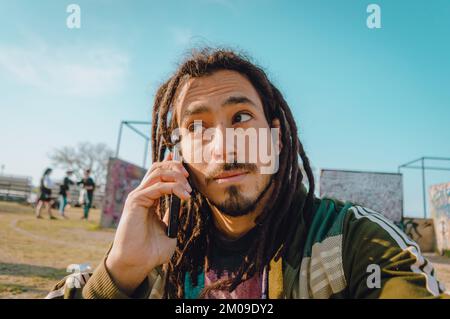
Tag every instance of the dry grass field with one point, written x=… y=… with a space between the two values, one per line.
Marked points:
x=34 y=253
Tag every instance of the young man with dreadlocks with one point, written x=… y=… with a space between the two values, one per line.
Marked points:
x=243 y=234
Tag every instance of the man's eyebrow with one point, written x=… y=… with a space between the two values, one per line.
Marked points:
x=238 y=100
x=232 y=100
x=195 y=110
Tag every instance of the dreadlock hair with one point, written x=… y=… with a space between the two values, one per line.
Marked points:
x=278 y=221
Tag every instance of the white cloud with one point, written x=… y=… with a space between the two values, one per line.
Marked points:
x=73 y=71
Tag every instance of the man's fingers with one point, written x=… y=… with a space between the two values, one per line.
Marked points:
x=160 y=189
x=167 y=165
x=160 y=175
x=174 y=165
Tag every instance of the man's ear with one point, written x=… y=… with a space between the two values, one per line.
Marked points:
x=276 y=124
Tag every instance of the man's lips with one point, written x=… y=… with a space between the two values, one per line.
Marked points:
x=230 y=176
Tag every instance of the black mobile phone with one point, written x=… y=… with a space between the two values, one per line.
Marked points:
x=175 y=203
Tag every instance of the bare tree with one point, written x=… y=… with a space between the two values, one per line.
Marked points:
x=84 y=155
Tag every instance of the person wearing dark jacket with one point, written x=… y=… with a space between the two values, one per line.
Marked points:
x=63 y=189
x=89 y=187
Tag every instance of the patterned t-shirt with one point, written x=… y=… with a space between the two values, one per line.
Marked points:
x=226 y=256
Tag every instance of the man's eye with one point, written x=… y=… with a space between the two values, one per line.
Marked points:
x=241 y=118
x=197 y=125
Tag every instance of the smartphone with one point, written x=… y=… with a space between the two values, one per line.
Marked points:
x=175 y=203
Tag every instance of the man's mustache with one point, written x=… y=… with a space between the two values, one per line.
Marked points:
x=212 y=173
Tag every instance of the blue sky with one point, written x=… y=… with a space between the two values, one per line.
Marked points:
x=364 y=99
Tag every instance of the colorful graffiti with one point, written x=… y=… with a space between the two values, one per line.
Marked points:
x=440 y=211
x=382 y=192
x=122 y=178
x=421 y=230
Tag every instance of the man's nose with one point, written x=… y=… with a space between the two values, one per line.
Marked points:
x=222 y=148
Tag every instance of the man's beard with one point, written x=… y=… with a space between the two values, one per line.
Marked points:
x=238 y=204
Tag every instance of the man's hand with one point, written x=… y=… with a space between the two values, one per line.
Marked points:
x=141 y=242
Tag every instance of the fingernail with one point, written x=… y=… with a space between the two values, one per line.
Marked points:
x=188 y=187
x=186 y=194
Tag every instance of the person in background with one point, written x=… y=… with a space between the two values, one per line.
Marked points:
x=89 y=187
x=63 y=189
x=45 y=197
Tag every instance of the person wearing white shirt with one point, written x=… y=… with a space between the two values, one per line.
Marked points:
x=45 y=197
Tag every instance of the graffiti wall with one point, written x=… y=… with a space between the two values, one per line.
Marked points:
x=382 y=192
x=421 y=230
x=122 y=178
x=439 y=196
